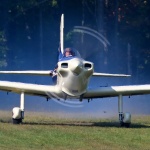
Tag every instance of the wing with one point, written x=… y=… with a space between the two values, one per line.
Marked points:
x=32 y=89
x=117 y=90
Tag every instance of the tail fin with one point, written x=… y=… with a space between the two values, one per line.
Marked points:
x=62 y=34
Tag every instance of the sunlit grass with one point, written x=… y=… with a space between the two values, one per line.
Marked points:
x=49 y=131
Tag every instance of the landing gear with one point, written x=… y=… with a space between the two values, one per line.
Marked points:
x=124 y=118
x=126 y=121
x=18 y=112
x=16 y=121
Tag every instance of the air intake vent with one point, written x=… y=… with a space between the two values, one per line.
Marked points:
x=87 y=66
x=64 y=65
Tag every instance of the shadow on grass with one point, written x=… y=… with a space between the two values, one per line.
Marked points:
x=80 y=123
x=89 y=124
x=5 y=121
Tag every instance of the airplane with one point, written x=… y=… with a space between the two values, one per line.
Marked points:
x=73 y=76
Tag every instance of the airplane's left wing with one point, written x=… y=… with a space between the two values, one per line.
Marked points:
x=32 y=89
x=113 y=91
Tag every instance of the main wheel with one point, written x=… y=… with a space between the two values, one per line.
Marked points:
x=16 y=121
x=16 y=115
x=127 y=125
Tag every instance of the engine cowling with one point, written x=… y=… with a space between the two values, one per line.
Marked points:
x=78 y=72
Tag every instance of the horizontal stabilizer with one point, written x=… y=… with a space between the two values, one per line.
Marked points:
x=28 y=72
x=110 y=75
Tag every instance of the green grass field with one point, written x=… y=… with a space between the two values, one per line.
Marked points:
x=42 y=131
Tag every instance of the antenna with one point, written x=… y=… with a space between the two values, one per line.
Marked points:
x=62 y=33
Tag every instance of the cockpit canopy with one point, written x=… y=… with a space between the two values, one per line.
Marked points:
x=72 y=51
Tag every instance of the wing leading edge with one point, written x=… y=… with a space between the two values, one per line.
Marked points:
x=32 y=89
x=113 y=91
x=55 y=92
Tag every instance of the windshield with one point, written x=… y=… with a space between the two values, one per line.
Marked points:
x=68 y=54
x=72 y=52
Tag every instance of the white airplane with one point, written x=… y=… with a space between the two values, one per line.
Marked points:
x=73 y=76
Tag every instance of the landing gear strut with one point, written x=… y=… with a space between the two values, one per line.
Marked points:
x=124 y=118
x=18 y=112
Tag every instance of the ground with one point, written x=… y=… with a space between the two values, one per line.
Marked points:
x=48 y=131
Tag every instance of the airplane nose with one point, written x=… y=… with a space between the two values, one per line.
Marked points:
x=76 y=67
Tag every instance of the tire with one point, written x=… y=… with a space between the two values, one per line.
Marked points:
x=16 y=121
x=127 y=125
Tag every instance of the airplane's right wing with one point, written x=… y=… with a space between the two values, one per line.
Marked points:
x=31 y=89
x=113 y=91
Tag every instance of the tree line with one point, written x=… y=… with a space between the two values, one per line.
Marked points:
x=35 y=23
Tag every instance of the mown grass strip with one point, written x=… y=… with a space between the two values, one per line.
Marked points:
x=40 y=131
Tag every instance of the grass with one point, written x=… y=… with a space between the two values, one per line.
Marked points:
x=42 y=131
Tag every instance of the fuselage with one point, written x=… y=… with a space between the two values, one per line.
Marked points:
x=73 y=75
